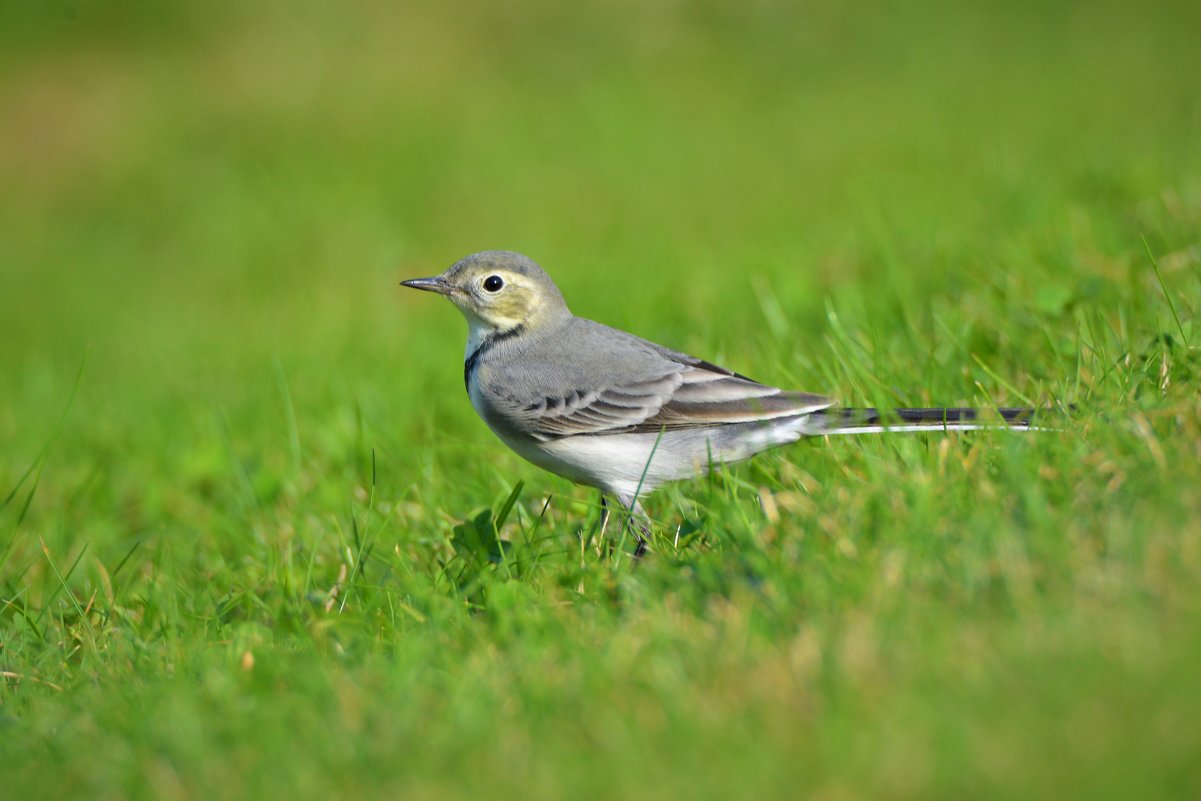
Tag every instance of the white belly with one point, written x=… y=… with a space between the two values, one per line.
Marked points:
x=626 y=465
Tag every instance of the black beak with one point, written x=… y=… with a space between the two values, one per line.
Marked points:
x=436 y=284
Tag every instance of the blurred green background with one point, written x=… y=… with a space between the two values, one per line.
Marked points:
x=912 y=203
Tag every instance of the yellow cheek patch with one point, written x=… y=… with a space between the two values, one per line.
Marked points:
x=512 y=306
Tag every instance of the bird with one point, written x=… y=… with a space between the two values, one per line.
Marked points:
x=610 y=410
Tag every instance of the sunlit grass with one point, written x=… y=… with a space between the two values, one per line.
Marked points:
x=270 y=550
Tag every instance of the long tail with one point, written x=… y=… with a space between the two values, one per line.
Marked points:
x=874 y=421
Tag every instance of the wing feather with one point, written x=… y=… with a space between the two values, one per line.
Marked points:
x=684 y=395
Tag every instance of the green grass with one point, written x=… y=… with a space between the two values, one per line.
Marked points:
x=250 y=562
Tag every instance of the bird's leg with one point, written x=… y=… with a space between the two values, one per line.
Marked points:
x=637 y=519
x=644 y=534
x=604 y=517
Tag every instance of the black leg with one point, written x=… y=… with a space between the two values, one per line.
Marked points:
x=637 y=521
x=644 y=534
x=604 y=516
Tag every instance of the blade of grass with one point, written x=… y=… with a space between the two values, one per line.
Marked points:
x=290 y=416
x=52 y=438
x=62 y=581
x=991 y=374
x=1164 y=289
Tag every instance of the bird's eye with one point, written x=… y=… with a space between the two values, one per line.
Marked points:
x=493 y=283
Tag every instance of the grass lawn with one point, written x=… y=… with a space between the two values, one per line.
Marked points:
x=250 y=550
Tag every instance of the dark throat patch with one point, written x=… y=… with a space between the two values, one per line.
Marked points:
x=486 y=345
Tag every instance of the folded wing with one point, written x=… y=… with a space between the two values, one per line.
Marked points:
x=692 y=394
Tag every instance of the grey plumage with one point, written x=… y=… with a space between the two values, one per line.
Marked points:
x=580 y=377
x=606 y=408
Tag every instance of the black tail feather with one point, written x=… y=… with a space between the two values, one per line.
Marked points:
x=933 y=418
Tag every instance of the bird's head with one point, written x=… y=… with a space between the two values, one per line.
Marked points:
x=497 y=291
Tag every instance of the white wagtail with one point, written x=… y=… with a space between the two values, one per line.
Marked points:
x=610 y=410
